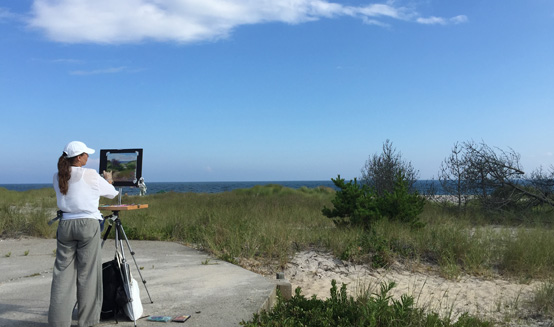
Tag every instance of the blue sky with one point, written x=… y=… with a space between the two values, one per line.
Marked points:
x=242 y=90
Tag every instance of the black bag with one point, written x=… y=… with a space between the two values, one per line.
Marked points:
x=114 y=297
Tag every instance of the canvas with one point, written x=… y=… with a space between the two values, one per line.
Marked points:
x=125 y=165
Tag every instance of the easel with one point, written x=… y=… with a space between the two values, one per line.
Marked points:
x=120 y=236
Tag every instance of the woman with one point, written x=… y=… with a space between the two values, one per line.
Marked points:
x=78 y=266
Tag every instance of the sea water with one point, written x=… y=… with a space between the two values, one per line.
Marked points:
x=217 y=187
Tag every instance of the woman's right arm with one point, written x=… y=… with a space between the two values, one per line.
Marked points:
x=106 y=189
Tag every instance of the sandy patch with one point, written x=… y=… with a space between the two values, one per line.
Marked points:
x=490 y=298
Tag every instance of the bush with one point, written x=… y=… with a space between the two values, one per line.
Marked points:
x=353 y=204
x=400 y=204
x=360 y=205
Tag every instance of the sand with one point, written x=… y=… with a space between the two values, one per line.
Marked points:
x=492 y=298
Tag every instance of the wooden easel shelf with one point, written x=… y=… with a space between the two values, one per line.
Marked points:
x=122 y=207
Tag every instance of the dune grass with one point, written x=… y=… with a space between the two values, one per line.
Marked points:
x=273 y=222
x=27 y=213
x=263 y=222
x=270 y=223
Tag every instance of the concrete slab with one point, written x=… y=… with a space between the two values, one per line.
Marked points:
x=180 y=280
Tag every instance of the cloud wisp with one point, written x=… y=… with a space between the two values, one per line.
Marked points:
x=111 y=70
x=442 y=21
x=5 y=14
x=186 y=21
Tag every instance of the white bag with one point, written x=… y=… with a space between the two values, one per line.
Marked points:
x=133 y=309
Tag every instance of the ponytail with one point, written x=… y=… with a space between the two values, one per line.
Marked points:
x=64 y=173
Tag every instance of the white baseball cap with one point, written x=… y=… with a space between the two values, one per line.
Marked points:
x=75 y=148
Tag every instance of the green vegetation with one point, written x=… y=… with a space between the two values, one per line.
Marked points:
x=341 y=310
x=544 y=299
x=362 y=206
x=271 y=223
x=27 y=213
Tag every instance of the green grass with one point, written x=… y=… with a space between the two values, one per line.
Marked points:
x=261 y=222
x=27 y=213
x=271 y=223
x=543 y=301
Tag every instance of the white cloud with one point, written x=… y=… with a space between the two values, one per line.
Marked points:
x=381 y=10
x=111 y=70
x=458 y=19
x=67 y=61
x=60 y=61
x=431 y=20
x=442 y=21
x=185 y=21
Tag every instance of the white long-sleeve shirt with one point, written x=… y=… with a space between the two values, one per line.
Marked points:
x=83 y=196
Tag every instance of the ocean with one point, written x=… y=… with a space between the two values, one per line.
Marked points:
x=218 y=187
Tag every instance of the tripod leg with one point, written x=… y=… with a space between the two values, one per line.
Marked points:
x=124 y=269
x=106 y=235
x=120 y=227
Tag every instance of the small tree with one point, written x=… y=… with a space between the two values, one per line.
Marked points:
x=543 y=183
x=452 y=175
x=400 y=204
x=353 y=204
x=495 y=177
x=380 y=171
x=360 y=205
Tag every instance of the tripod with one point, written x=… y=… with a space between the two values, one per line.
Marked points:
x=120 y=236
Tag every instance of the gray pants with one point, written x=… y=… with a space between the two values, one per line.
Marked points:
x=77 y=274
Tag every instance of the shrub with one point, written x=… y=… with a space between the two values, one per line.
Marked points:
x=400 y=204
x=360 y=205
x=341 y=310
x=353 y=204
